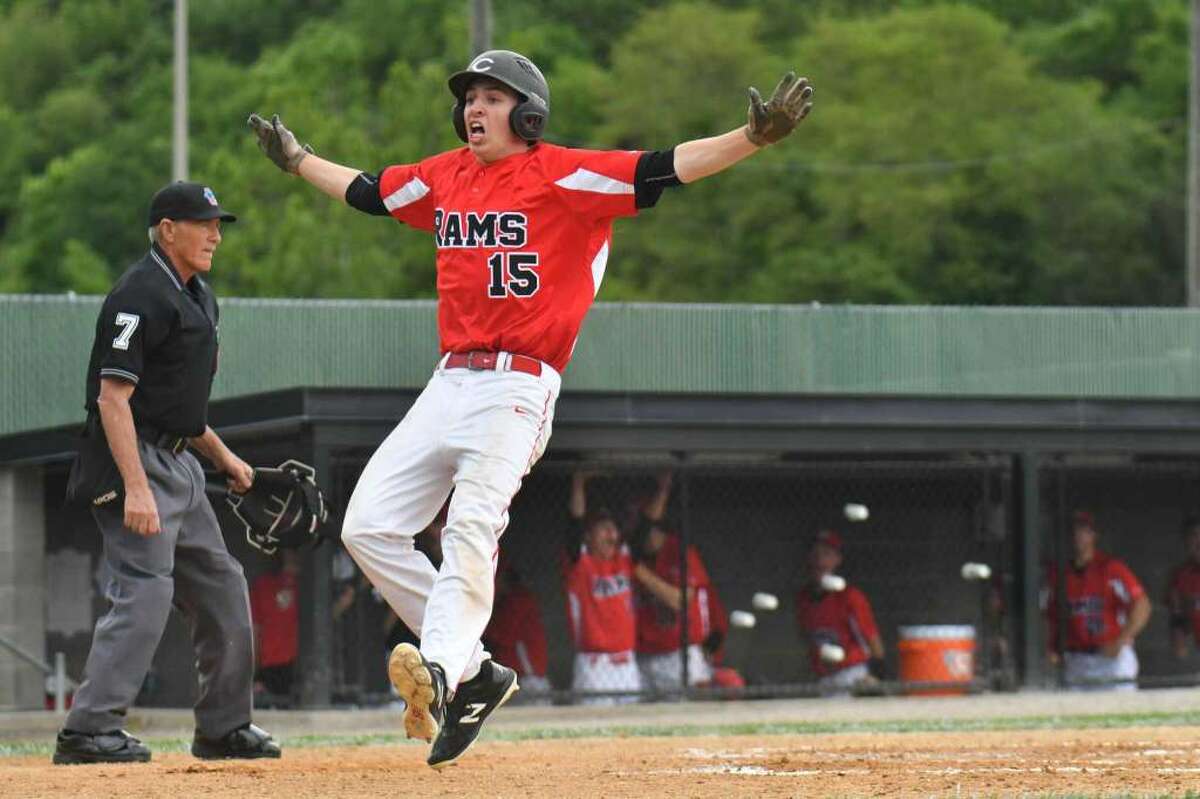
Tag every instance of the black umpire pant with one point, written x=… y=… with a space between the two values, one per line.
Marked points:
x=186 y=565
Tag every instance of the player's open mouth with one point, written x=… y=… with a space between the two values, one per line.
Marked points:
x=475 y=131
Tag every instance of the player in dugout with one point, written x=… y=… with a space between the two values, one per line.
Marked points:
x=835 y=620
x=1183 y=592
x=516 y=634
x=598 y=578
x=661 y=600
x=1106 y=609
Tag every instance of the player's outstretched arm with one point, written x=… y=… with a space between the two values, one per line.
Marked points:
x=280 y=145
x=767 y=123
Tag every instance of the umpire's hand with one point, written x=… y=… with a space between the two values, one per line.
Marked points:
x=141 y=514
x=239 y=473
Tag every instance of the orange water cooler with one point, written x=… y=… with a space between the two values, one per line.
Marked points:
x=937 y=653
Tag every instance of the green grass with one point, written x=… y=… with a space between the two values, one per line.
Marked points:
x=1081 y=722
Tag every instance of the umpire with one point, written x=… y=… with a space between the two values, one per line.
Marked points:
x=148 y=381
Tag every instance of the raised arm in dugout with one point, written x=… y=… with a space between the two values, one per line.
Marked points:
x=650 y=515
x=573 y=527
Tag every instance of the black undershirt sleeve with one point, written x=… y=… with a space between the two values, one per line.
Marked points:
x=637 y=540
x=363 y=194
x=655 y=172
x=573 y=538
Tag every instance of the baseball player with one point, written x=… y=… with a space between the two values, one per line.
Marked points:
x=516 y=633
x=523 y=234
x=661 y=601
x=275 y=611
x=598 y=578
x=148 y=381
x=1106 y=610
x=1183 y=592
x=837 y=625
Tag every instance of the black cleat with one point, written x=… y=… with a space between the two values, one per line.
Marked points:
x=422 y=686
x=473 y=702
x=117 y=746
x=245 y=743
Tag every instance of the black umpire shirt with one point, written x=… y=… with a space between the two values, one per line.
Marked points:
x=160 y=335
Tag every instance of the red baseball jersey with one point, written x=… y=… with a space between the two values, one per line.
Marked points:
x=276 y=614
x=515 y=634
x=1183 y=595
x=836 y=617
x=719 y=619
x=600 y=602
x=659 y=626
x=1098 y=599
x=522 y=243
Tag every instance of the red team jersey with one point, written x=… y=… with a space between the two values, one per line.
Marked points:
x=522 y=243
x=1098 y=599
x=515 y=634
x=600 y=602
x=658 y=626
x=1183 y=596
x=275 y=612
x=836 y=617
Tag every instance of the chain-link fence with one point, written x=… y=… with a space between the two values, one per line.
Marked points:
x=910 y=536
x=1115 y=532
x=589 y=606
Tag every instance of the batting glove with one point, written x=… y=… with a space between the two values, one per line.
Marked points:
x=278 y=143
x=769 y=122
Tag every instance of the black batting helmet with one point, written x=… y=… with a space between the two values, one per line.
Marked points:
x=528 y=119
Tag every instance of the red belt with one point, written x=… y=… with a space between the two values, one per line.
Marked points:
x=478 y=361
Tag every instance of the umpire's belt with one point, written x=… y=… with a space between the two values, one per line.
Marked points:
x=479 y=361
x=157 y=438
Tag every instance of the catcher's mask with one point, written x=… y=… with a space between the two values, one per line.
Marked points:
x=282 y=508
x=528 y=119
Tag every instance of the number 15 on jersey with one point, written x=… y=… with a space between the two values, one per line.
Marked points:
x=513 y=274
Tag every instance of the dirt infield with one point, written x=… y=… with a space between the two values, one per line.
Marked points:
x=1094 y=762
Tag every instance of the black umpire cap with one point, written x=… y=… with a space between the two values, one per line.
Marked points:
x=181 y=200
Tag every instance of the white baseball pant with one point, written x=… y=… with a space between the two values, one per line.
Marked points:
x=843 y=681
x=478 y=433
x=1087 y=671
x=606 y=671
x=664 y=672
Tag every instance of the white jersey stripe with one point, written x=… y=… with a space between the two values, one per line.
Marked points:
x=407 y=194
x=115 y=372
x=587 y=180
x=599 y=263
x=576 y=614
x=523 y=658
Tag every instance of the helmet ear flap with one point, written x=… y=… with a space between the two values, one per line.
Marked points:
x=458 y=114
x=528 y=120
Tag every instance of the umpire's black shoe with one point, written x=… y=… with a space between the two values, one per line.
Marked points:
x=422 y=686
x=245 y=743
x=117 y=746
x=473 y=702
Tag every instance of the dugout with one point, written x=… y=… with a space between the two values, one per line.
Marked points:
x=969 y=432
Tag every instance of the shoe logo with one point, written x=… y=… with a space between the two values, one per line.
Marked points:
x=473 y=711
x=520 y=410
